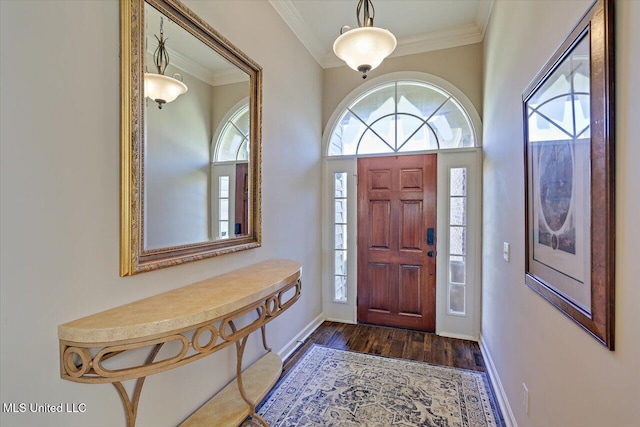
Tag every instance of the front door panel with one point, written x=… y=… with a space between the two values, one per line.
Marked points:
x=396 y=207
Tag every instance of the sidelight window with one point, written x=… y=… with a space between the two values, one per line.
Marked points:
x=457 y=253
x=223 y=215
x=340 y=236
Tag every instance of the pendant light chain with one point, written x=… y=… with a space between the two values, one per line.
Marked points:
x=161 y=56
x=365 y=47
x=368 y=18
x=162 y=89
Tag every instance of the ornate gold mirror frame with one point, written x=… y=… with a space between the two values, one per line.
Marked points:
x=134 y=257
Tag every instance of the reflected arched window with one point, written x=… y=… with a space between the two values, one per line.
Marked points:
x=233 y=140
x=401 y=116
x=560 y=109
x=229 y=173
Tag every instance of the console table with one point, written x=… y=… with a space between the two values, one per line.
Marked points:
x=195 y=321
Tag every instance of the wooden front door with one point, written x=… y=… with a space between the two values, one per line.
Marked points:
x=396 y=241
x=242 y=200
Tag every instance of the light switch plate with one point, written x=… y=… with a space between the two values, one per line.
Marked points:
x=506 y=252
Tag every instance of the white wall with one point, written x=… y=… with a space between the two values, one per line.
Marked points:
x=60 y=160
x=460 y=66
x=225 y=97
x=177 y=166
x=572 y=379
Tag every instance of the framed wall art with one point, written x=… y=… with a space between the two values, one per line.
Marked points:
x=569 y=176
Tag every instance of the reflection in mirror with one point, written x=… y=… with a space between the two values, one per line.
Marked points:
x=183 y=199
x=198 y=158
x=559 y=136
x=229 y=172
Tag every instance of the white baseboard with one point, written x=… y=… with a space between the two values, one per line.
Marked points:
x=501 y=396
x=292 y=345
x=348 y=322
x=458 y=336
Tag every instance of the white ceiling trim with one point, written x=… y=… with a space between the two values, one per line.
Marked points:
x=191 y=67
x=468 y=34
x=234 y=75
x=178 y=60
x=484 y=13
x=293 y=19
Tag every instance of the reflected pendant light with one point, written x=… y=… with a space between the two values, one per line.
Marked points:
x=161 y=88
x=365 y=47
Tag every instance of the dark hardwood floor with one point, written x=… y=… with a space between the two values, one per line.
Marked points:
x=394 y=342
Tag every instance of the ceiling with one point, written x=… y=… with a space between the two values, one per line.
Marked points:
x=419 y=25
x=187 y=53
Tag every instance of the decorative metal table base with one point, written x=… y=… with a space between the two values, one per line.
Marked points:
x=79 y=365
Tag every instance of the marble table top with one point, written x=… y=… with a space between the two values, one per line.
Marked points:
x=181 y=308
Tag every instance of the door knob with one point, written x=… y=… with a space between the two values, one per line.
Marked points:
x=431 y=254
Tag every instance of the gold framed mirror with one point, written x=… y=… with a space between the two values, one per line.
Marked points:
x=190 y=139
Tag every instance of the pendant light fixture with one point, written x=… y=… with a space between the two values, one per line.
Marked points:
x=365 y=47
x=161 y=88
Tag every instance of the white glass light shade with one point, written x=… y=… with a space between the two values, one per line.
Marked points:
x=162 y=89
x=364 y=48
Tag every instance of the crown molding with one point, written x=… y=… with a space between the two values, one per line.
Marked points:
x=426 y=42
x=198 y=71
x=229 y=77
x=293 y=19
x=484 y=13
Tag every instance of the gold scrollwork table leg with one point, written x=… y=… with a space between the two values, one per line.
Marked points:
x=131 y=404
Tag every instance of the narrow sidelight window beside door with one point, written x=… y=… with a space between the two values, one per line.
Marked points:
x=340 y=236
x=457 y=240
x=224 y=208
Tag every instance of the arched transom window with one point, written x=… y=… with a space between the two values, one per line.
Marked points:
x=399 y=117
x=233 y=140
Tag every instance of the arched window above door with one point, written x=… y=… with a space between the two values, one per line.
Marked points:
x=232 y=142
x=404 y=115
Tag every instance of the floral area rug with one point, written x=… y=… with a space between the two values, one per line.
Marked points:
x=329 y=387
